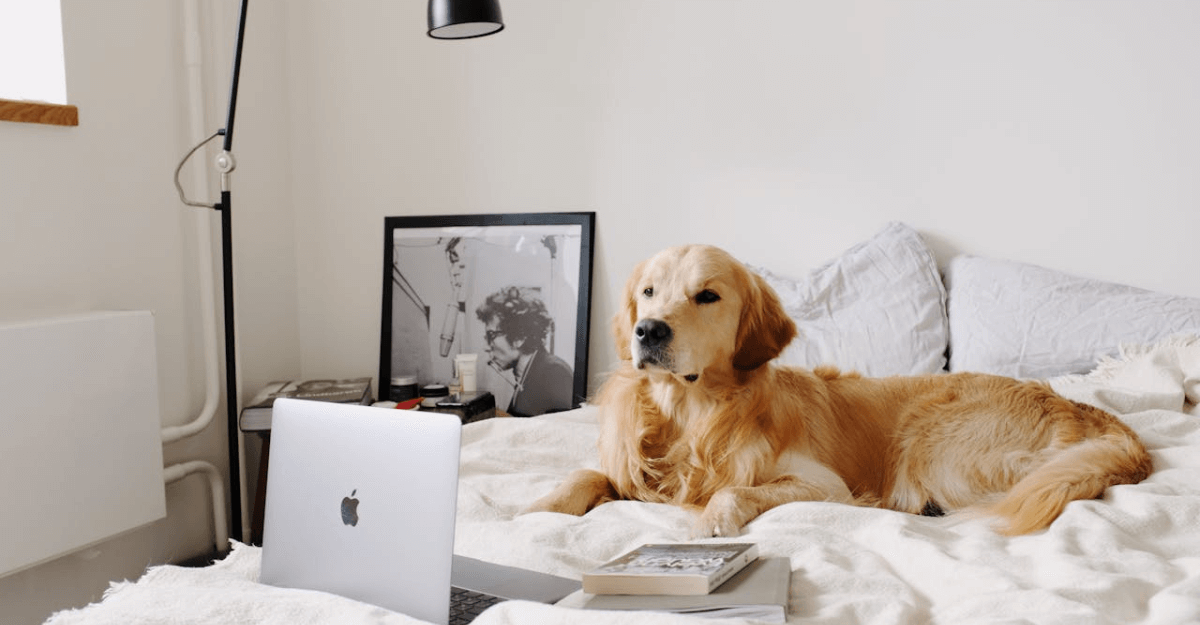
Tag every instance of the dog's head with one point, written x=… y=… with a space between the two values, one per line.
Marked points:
x=695 y=310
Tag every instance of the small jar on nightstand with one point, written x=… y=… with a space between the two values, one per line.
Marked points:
x=402 y=387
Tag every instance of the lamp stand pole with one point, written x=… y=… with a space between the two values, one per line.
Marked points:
x=225 y=165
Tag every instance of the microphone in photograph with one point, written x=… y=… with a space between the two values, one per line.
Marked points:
x=449 y=326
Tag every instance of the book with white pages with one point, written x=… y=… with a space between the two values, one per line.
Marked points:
x=759 y=592
x=670 y=569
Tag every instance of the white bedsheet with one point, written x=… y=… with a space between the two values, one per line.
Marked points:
x=1133 y=557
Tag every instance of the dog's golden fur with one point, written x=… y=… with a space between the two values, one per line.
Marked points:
x=698 y=416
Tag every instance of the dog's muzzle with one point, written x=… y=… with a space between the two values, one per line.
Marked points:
x=652 y=337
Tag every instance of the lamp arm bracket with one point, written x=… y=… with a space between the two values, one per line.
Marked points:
x=225 y=164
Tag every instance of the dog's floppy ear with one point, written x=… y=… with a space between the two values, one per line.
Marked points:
x=765 y=327
x=626 y=317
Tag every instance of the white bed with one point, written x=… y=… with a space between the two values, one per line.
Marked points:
x=1131 y=557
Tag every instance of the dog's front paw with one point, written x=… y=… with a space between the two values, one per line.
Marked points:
x=557 y=501
x=583 y=490
x=721 y=517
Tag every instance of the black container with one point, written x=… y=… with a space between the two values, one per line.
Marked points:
x=402 y=387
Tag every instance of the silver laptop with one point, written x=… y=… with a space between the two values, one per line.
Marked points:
x=361 y=503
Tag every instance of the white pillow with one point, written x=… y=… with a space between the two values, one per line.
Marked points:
x=1026 y=321
x=879 y=308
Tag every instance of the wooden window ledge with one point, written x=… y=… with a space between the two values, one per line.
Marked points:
x=39 y=113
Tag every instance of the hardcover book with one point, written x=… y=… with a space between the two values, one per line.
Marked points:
x=758 y=592
x=670 y=569
x=256 y=416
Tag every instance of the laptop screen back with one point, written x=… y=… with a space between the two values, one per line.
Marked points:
x=361 y=503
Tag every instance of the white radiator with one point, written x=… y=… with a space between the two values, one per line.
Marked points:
x=80 y=445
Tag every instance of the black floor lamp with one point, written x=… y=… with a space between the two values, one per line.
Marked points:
x=448 y=19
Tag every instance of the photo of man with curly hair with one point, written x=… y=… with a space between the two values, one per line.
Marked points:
x=517 y=328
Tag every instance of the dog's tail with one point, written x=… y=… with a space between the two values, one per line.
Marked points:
x=1081 y=470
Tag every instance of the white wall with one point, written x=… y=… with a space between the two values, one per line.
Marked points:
x=89 y=220
x=1057 y=132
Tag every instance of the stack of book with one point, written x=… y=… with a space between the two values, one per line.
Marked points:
x=256 y=416
x=702 y=579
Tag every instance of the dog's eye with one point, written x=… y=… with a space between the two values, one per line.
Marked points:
x=648 y=291
x=707 y=297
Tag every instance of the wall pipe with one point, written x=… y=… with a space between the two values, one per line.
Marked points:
x=179 y=471
x=200 y=179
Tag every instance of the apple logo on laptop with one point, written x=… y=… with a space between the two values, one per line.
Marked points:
x=350 y=509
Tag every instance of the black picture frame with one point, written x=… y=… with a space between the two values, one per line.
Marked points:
x=440 y=270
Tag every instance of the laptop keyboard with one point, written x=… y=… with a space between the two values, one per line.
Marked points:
x=465 y=604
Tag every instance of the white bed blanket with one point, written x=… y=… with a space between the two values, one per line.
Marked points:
x=1133 y=557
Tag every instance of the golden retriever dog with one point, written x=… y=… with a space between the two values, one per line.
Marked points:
x=698 y=416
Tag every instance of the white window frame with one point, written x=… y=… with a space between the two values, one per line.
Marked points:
x=32 y=63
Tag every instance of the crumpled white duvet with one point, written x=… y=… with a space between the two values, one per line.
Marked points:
x=1132 y=557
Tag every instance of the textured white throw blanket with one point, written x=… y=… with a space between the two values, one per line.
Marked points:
x=1133 y=557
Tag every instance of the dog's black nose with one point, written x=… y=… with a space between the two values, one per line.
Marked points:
x=652 y=332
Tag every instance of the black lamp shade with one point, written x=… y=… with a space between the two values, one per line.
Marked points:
x=464 y=19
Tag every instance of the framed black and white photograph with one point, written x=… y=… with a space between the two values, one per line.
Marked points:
x=513 y=289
